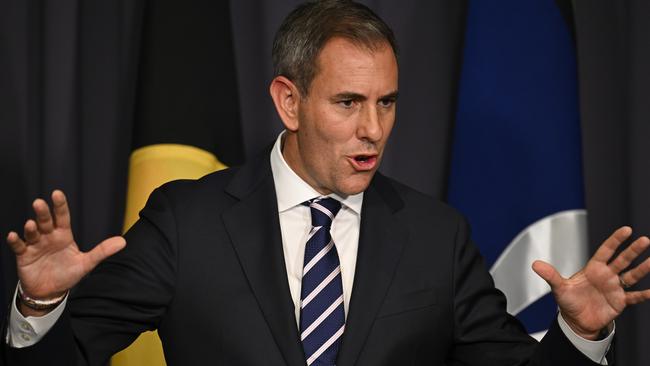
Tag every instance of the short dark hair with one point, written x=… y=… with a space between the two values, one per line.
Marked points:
x=306 y=30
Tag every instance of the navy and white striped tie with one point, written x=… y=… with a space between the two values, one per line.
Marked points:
x=322 y=318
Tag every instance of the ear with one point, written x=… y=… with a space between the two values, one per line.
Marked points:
x=286 y=98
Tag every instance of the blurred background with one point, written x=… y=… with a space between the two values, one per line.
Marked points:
x=531 y=117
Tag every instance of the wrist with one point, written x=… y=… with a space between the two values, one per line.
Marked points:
x=27 y=311
x=584 y=333
x=29 y=306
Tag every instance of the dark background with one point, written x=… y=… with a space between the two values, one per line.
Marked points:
x=77 y=89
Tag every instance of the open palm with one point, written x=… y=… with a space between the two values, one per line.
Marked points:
x=48 y=259
x=592 y=298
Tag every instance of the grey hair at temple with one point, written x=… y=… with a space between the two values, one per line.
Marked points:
x=306 y=30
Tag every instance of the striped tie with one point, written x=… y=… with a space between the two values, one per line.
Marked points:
x=322 y=319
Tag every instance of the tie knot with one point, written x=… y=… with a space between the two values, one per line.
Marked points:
x=323 y=210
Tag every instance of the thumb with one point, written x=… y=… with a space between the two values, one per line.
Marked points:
x=104 y=250
x=548 y=273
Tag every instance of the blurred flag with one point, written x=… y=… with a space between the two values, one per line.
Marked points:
x=186 y=113
x=516 y=168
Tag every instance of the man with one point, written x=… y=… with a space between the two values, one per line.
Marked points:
x=307 y=256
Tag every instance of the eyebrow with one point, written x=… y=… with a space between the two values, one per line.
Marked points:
x=360 y=97
x=392 y=95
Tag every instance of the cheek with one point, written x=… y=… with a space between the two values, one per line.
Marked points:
x=320 y=152
x=335 y=125
x=388 y=120
x=329 y=135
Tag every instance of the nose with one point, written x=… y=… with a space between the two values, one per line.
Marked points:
x=370 y=127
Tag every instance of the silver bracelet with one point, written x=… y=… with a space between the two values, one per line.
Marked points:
x=39 y=304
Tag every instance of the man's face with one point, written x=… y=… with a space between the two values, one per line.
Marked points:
x=345 y=121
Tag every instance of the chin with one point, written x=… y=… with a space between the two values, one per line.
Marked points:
x=355 y=186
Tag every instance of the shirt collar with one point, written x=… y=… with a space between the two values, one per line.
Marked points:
x=291 y=190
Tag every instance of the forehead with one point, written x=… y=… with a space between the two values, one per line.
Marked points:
x=343 y=62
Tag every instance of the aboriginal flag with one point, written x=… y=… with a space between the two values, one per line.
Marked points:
x=186 y=110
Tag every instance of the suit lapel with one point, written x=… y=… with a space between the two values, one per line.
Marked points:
x=254 y=229
x=381 y=241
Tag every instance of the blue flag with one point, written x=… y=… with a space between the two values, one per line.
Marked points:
x=516 y=169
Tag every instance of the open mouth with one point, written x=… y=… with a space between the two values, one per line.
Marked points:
x=362 y=158
x=363 y=162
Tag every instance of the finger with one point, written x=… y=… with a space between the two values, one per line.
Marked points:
x=16 y=244
x=31 y=234
x=624 y=259
x=635 y=275
x=635 y=297
x=43 y=216
x=61 y=210
x=609 y=246
x=104 y=250
x=548 y=273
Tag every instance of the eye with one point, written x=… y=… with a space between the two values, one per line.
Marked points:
x=386 y=102
x=347 y=103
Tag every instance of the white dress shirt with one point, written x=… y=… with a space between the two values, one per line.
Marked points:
x=295 y=223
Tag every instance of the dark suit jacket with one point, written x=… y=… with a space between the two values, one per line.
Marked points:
x=204 y=265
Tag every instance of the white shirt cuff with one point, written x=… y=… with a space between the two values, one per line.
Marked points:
x=27 y=331
x=595 y=350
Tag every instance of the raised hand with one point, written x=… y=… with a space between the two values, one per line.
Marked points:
x=48 y=260
x=592 y=298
